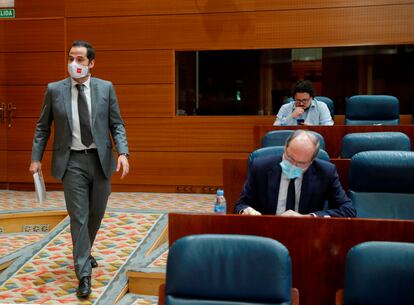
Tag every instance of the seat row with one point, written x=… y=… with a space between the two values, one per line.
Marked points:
x=240 y=270
x=367 y=109
x=352 y=143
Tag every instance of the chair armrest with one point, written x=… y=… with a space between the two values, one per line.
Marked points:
x=339 y=297
x=161 y=294
x=295 y=296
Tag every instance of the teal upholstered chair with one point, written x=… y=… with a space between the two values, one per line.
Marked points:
x=219 y=269
x=353 y=143
x=381 y=184
x=329 y=102
x=372 y=110
x=378 y=273
x=279 y=137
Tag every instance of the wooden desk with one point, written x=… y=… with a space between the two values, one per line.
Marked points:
x=317 y=246
x=235 y=171
x=333 y=134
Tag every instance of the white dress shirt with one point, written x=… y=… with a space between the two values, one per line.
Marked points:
x=76 y=135
x=283 y=189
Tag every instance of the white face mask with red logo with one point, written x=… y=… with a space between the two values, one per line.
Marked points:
x=77 y=70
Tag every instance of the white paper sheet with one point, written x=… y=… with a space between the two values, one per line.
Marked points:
x=40 y=188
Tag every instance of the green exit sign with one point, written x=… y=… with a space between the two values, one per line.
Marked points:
x=7 y=13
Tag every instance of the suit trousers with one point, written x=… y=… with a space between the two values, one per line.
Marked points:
x=86 y=192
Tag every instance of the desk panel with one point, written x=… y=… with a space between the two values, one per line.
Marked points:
x=317 y=246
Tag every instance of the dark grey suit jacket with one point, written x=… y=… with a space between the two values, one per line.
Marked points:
x=106 y=122
x=320 y=183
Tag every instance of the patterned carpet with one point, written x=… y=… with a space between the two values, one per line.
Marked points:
x=133 y=299
x=162 y=202
x=43 y=272
x=9 y=243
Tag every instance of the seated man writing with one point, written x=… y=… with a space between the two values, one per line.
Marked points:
x=304 y=109
x=295 y=184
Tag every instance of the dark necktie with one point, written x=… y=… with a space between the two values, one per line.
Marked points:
x=84 y=118
x=290 y=199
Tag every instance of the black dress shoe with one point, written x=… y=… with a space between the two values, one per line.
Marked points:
x=94 y=263
x=84 y=289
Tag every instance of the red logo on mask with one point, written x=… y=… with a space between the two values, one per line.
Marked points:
x=78 y=70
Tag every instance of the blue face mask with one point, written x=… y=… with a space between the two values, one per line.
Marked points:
x=291 y=171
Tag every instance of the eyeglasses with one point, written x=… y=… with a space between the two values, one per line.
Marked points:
x=295 y=162
x=302 y=101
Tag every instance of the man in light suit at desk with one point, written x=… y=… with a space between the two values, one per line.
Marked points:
x=85 y=114
x=296 y=184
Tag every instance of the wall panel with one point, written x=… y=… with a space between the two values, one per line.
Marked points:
x=41 y=35
x=3 y=168
x=193 y=134
x=39 y=8
x=157 y=7
x=18 y=167
x=181 y=134
x=177 y=168
x=270 y=29
x=152 y=100
x=146 y=100
x=135 y=67
x=32 y=68
x=27 y=99
x=20 y=134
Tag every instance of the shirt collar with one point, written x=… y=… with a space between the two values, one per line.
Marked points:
x=284 y=177
x=313 y=104
x=87 y=83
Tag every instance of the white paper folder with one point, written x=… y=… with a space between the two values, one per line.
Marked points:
x=40 y=188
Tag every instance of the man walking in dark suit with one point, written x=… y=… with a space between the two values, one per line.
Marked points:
x=296 y=184
x=85 y=114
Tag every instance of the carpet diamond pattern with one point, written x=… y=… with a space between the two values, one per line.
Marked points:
x=49 y=278
x=12 y=242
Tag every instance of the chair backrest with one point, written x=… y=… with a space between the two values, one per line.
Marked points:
x=278 y=151
x=379 y=273
x=278 y=138
x=353 y=143
x=228 y=269
x=381 y=184
x=328 y=101
x=372 y=110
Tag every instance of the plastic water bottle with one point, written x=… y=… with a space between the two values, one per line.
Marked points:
x=220 y=205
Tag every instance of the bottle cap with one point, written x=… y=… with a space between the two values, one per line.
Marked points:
x=220 y=192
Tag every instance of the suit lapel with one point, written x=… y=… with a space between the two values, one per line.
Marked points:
x=67 y=100
x=94 y=98
x=273 y=180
